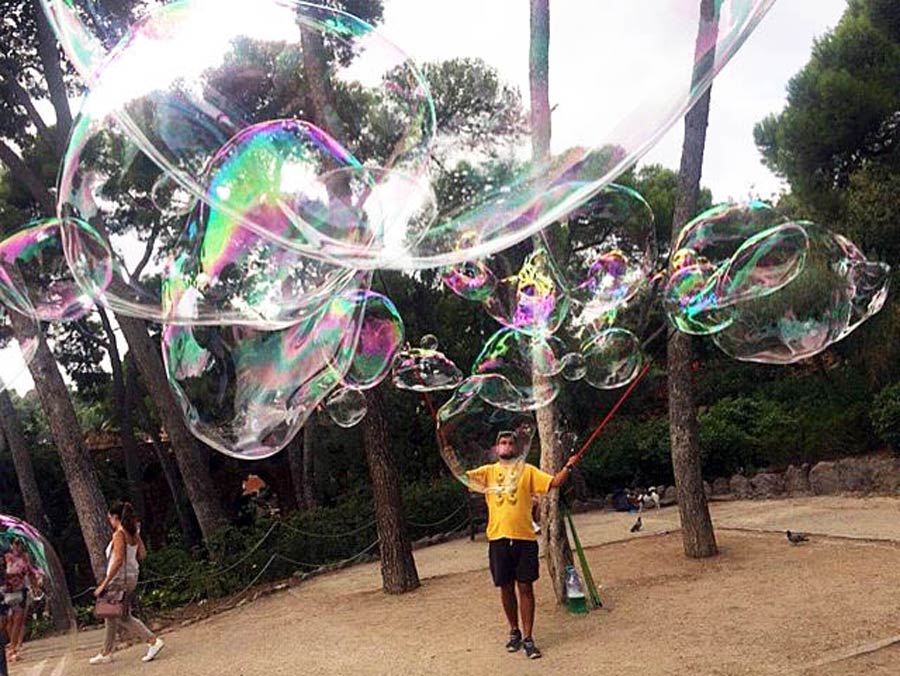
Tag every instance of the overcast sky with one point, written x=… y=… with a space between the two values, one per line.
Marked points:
x=600 y=46
x=750 y=87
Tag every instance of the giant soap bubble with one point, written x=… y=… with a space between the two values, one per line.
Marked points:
x=36 y=278
x=470 y=434
x=37 y=589
x=173 y=124
x=768 y=289
x=246 y=391
x=179 y=99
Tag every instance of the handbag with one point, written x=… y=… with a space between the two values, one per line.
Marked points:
x=113 y=604
x=110 y=605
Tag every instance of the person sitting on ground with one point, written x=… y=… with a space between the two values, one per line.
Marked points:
x=512 y=543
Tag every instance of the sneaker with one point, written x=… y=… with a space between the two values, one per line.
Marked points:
x=514 y=642
x=531 y=650
x=153 y=651
x=100 y=659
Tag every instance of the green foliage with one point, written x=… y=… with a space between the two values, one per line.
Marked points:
x=629 y=452
x=743 y=433
x=885 y=415
x=275 y=549
x=836 y=140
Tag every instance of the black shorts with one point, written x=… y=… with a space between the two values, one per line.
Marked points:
x=513 y=560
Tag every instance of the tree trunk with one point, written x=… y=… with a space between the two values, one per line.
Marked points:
x=90 y=505
x=197 y=480
x=123 y=408
x=398 y=568
x=309 y=451
x=18 y=448
x=23 y=174
x=553 y=527
x=697 y=533
x=49 y=54
x=189 y=527
x=300 y=458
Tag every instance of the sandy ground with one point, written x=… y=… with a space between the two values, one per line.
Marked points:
x=762 y=607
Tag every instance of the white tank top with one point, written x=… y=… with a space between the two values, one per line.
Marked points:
x=131 y=568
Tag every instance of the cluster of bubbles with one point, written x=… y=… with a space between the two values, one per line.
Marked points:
x=40 y=591
x=768 y=289
x=240 y=168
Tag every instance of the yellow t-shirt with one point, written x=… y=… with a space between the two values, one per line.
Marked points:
x=509 y=515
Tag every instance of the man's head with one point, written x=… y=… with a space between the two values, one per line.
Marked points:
x=507 y=446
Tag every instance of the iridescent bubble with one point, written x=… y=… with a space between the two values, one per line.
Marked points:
x=471 y=280
x=245 y=391
x=422 y=370
x=706 y=245
x=346 y=407
x=869 y=279
x=763 y=264
x=429 y=342
x=530 y=301
x=515 y=370
x=35 y=277
x=35 y=585
x=168 y=107
x=236 y=274
x=254 y=51
x=574 y=366
x=605 y=253
x=612 y=358
x=380 y=339
x=819 y=306
x=485 y=447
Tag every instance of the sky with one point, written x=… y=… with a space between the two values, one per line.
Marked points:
x=608 y=55
x=604 y=58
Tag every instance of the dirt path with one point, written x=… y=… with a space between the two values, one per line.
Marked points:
x=763 y=607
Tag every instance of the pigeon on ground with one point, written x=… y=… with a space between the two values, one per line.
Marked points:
x=637 y=525
x=796 y=538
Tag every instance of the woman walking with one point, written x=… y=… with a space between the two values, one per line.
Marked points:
x=123 y=554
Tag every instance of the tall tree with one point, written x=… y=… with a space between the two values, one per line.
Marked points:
x=398 y=567
x=555 y=540
x=18 y=448
x=697 y=533
x=188 y=454
x=123 y=411
x=183 y=509
x=84 y=486
x=300 y=459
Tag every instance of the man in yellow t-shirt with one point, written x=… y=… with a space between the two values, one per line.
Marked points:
x=512 y=543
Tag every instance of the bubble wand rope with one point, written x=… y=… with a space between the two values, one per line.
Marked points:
x=578 y=455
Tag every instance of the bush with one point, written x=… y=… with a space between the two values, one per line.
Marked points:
x=629 y=452
x=273 y=549
x=885 y=415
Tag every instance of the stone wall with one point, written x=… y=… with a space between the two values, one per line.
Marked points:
x=861 y=475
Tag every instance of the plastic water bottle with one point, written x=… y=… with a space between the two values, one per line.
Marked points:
x=575 y=600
